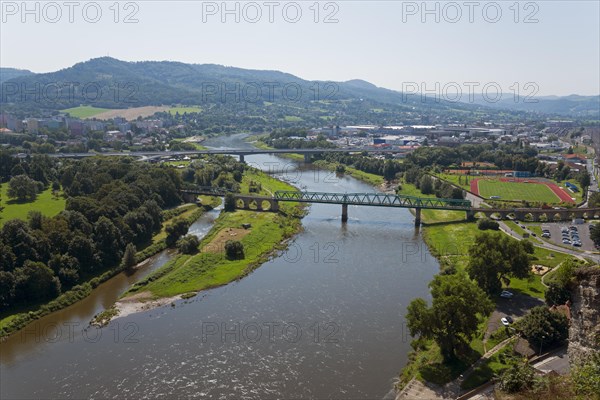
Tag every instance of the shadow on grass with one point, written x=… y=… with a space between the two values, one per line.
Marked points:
x=442 y=372
x=442 y=223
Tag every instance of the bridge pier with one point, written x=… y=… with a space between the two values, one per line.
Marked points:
x=242 y=160
x=307 y=158
x=417 y=217
x=344 y=212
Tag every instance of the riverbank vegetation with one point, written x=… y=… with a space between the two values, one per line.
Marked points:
x=50 y=262
x=258 y=233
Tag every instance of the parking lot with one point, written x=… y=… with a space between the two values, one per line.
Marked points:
x=583 y=230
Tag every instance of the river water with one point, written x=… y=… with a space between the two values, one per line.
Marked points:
x=323 y=319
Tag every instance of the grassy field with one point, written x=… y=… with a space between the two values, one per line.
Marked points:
x=181 y=110
x=292 y=118
x=85 y=111
x=46 y=203
x=517 y=191
x=192 y=273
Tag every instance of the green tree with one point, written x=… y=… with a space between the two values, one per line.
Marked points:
x=594 y=199
x=234 y=250
x=519 y=376
x=7 y=288
x=543 y=327
x=488 y=224
x=494 y=257
x=35 y=281
x=188 y=244
x=426 y=184
x=229 y=204
x=177 y=229
x=129 y=257
x=389 y=170
x=452 y=319
x=595 y=233
x=35 y=219
x=23 y=188
x=557 y=294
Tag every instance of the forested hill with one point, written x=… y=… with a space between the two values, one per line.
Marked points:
x=132 y=84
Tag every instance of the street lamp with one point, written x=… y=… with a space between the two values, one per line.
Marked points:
x=541 y=343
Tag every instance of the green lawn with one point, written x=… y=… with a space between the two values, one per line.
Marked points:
x=292 y=118
x=85 y=111
x=181 y=110
x=191 y=273
x=46 y=203
x=517 y=191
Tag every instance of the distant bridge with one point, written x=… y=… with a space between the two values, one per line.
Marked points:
x=237 y=152
x=263 y=203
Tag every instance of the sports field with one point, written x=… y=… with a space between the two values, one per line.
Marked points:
x=518 y=191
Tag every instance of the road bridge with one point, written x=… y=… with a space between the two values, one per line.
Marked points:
x=241 y=153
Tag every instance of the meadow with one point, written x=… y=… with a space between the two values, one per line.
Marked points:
x=46 y=202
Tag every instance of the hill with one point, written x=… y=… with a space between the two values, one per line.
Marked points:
x=110 y=83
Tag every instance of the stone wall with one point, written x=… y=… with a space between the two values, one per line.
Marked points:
x=584 y=330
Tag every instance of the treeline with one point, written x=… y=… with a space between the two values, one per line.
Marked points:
x=289 y=139
x=428 y=185
x=504 y=156
x=111 y=204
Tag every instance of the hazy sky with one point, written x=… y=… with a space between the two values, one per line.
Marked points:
x=389 y=43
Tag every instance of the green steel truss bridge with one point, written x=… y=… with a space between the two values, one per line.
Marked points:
x=373 y=199
x=345 y=199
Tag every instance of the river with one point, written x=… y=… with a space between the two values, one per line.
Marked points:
x=323 y=319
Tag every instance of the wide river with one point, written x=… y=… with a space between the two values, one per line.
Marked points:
x=324 y=319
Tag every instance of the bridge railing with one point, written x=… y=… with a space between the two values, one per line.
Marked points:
x=375 y=199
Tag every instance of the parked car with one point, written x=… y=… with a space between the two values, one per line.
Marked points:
x=545 y=235
x=504 y=321
x=577 y=244
x=566 y=241
x=506 y=294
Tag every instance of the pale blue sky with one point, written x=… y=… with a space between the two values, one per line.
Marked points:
x=560 y=53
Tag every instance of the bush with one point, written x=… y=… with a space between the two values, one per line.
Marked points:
x=517 y=377
x=188 y=244
x=234 y=250
x=487 y=224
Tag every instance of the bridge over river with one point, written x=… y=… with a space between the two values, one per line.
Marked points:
x=241 y=153
x=264 y=203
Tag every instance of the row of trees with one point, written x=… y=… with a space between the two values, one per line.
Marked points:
x=113 y=206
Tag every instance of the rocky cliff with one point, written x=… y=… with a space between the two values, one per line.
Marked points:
x=584 y=331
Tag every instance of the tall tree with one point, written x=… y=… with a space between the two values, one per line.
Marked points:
x=494 y=258
x=453 y=316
